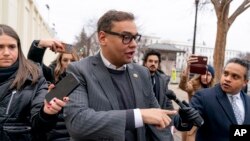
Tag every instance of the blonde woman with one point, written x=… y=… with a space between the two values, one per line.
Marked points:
x=61 y=63
x=54 y=73
x=192 y=85
x=56 y=70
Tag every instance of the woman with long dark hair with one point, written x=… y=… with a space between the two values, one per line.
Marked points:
x=24 y=114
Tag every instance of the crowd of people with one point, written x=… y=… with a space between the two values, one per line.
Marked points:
x=117 y=100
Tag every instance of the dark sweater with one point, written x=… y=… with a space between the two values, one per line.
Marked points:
x=126 y=99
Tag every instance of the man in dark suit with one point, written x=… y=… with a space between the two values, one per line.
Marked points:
x=115 y=101
x=152 y=60
x=223 y=105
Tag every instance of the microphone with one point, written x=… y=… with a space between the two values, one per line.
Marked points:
x=193 y=114
x=170 y=94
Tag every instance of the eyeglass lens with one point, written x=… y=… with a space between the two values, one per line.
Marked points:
x=128 y=38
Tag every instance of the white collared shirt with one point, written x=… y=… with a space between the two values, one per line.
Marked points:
x=239 y=103
x=111 y=66
x=137 y=113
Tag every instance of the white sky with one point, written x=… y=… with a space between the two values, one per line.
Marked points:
x=167 y=19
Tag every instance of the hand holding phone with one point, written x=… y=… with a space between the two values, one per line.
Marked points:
x=62 y=48
x=63 y=88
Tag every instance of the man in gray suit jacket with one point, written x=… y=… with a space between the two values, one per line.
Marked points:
x=152 y=60
x=115 y=101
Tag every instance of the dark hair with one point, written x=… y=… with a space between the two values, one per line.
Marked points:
x=105 y=22
x=151 y=52
x=25 y=68
x=241 y=62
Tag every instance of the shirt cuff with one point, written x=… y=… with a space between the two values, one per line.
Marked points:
x=138 y=118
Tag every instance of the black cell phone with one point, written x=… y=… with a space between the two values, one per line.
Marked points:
x=63 y=88
x=199 y=67
x=68 y=48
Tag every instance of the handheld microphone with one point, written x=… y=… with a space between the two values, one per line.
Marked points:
x=170 y=94
x=193 y=114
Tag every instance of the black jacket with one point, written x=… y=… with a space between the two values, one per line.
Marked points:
x=216 y=110
x=59 y=133
x=21 y=114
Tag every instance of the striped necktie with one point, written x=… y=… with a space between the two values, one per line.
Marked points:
x=236 y=110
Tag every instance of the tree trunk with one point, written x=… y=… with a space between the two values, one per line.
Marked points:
x=220 y=46
x=223 y=24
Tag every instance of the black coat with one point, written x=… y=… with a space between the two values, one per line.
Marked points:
x=164 y=101
x=21 y=114
x=217 y=112
x=36 y=54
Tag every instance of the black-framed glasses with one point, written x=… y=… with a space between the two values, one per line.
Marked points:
x=126 y=37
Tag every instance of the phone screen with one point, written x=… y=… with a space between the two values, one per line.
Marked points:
x=63 y=88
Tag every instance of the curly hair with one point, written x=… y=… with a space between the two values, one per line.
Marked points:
x=151 y=52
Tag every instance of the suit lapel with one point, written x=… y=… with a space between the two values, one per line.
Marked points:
x=161 y=89
x=246 y=106
x=137 y=87
x=104 y=79
x=225 y=104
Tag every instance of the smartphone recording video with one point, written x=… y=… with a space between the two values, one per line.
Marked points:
x=199 y=67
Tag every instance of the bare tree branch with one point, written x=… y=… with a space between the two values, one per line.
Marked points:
x=224 y=22
x=245 y=4
x=216 y=6
x=222 y=2
x=225 y=8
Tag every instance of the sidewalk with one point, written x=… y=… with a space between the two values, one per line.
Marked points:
x=181 y=95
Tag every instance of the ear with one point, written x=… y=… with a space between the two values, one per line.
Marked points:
x=102 y=38
x=246 y=82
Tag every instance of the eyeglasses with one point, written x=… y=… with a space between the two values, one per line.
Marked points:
x=126 y=37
